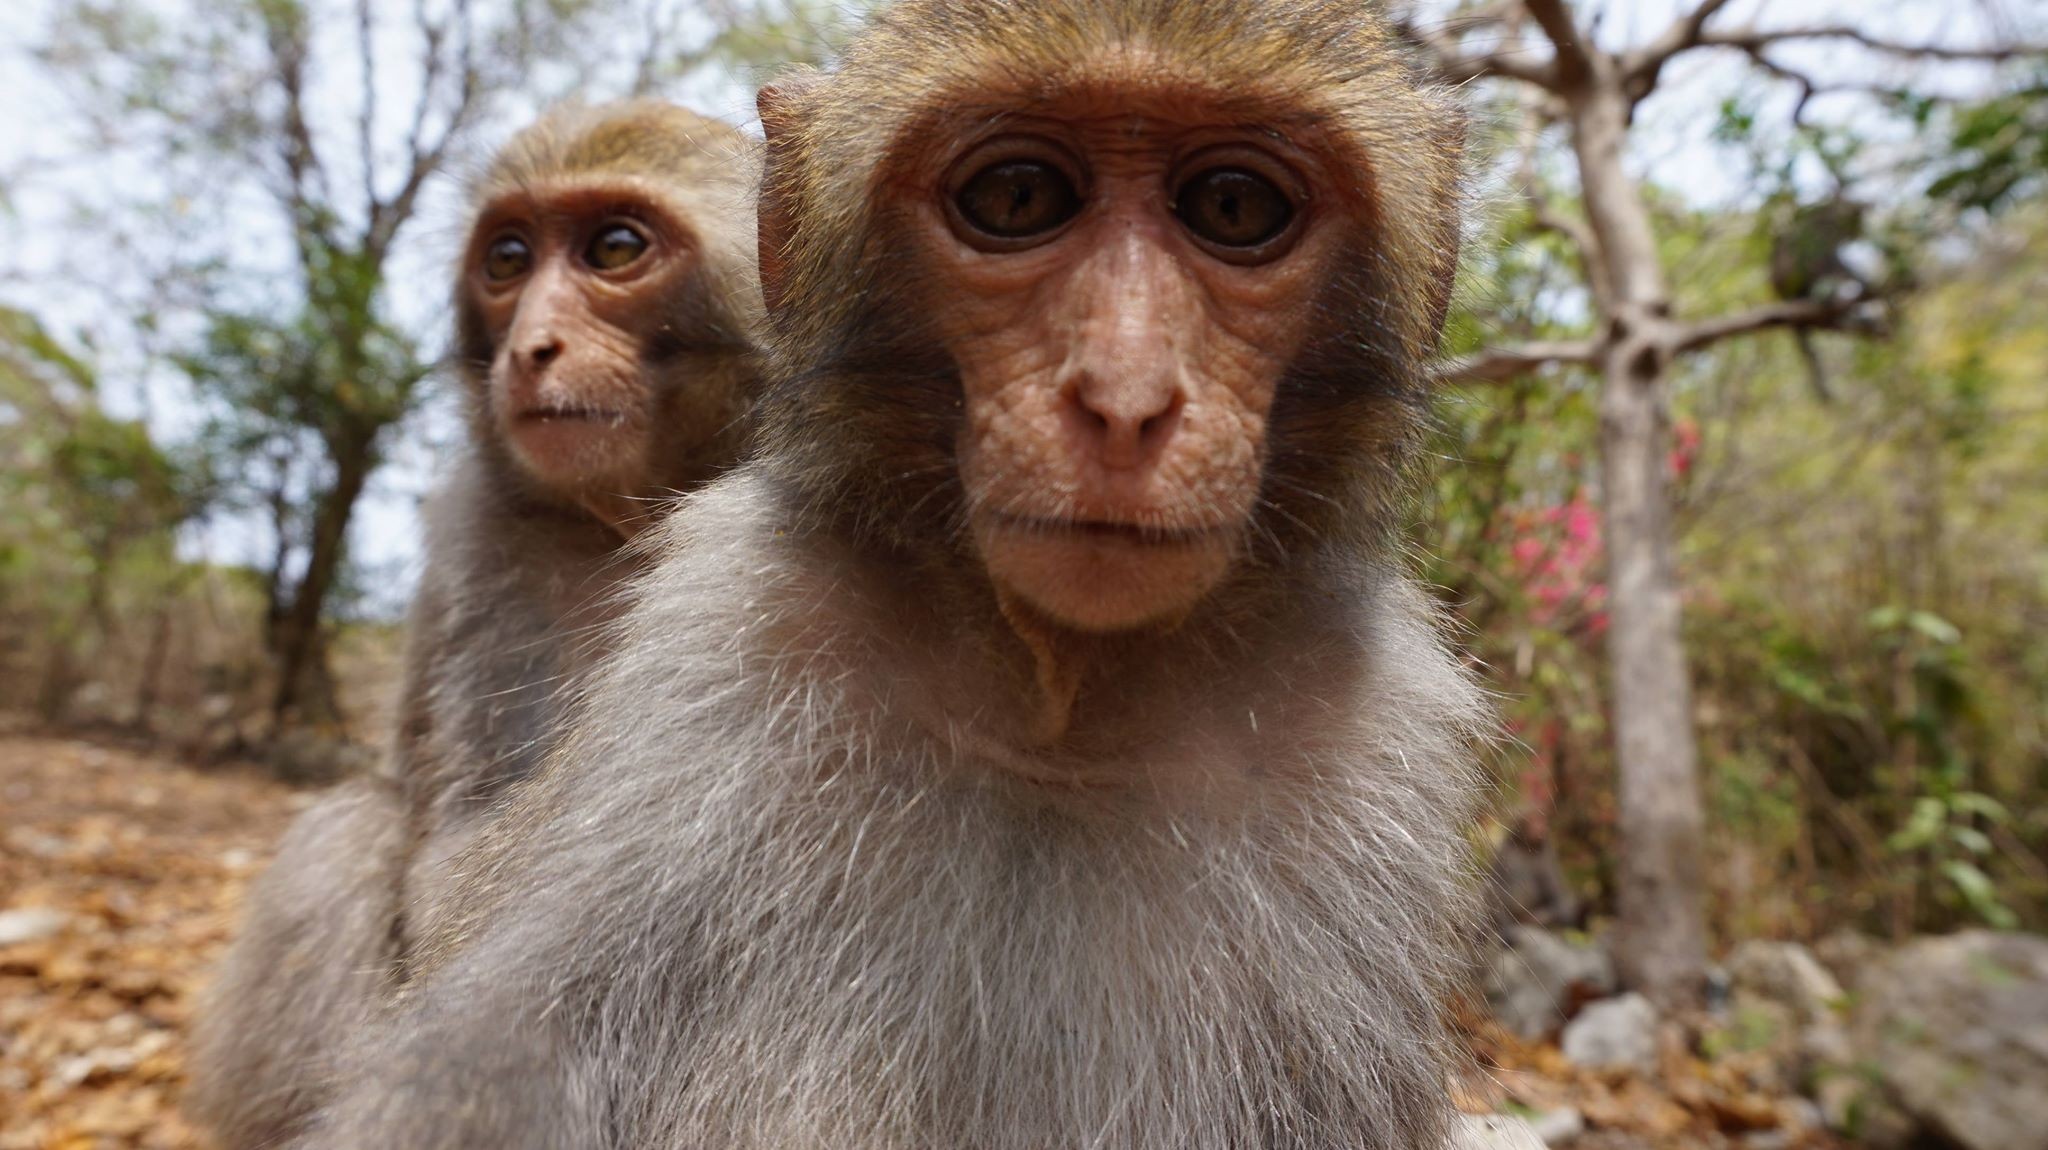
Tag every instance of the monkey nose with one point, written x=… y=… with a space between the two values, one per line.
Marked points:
x=541 y=351
x=1125 y=420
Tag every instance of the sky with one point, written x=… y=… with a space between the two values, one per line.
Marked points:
x=53 y=259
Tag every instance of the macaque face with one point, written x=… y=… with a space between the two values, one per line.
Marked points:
x=574 y=286
x=1121 y=294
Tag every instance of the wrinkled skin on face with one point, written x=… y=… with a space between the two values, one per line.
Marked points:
x=1119 y=360
x=573 y=284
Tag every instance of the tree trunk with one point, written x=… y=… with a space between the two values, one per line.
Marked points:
x=1661 y=936
x=153 y=665
x=297 y=639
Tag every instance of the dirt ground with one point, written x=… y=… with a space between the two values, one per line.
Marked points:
x=128 y=867
x=145 y=861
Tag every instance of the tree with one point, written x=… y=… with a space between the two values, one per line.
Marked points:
x=1591 y=93
x=280 y=105
x=85 y=490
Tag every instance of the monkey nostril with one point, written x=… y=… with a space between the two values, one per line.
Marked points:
x=1126 y=423
x=1157 y=429
x=1096 y=422
x=544 y=352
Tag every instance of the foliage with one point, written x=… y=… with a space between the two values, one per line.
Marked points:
x=1998 y=148
x=1864 y=589
x=303 y=365
x=775 y=33
x=92 y=508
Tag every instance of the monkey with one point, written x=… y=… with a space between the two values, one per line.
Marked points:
x=1039 y=742
x=1806 y=263
x=605 y=315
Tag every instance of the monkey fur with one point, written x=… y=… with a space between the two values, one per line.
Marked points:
x=522 y=569
x=849 y=843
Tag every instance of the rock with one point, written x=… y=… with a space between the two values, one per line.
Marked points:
x=1853 y=1105
x=1802 y=1114
x=1532 y=985
x=1784 y=1003
x=1846 y=952
x=1559 y=1127
x=1494 y=1132
x=1786 y=973
x=1764 y=1035
x=1957 y=1030
x=1826 y=1044
x=29 y=924
x=1615 y=1033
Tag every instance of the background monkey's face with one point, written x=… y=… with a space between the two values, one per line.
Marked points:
x=573 y=285
x=1121 y=283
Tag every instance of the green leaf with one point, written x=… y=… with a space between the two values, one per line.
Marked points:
x=1934 y=627
x=1922 y=828
x=1971 y=839
x=1978 y=891
x=1981 y=805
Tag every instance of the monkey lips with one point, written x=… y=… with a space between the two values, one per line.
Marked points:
x=1104 y=575
x=573 y=445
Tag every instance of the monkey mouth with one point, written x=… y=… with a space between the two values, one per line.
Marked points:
x=1098 y=574
x=1111 y=530
x=570 y=415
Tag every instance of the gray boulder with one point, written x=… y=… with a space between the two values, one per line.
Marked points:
x=1559 y=1127
x=1532 y=984
x=1617 y=1033
x=1784 y=982
x=1957 y=1029
x=1788 y=974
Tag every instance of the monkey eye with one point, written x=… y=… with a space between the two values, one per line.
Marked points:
x=507 y=258
x=1017 y=199
x=1232 y=207
x=614 y=248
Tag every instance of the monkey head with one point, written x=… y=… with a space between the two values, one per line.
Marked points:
x=1170 y=310
x=595 y=297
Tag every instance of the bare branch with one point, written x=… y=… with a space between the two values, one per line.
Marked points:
x=1543 y=213
x=366 y=122
x=657 y=57
x=423 y=156
x=306 y=186
x=1753 y=40
x=1451 y=61
x=1847 y=314
x=1641 y=68
x=433 y=33
x=1642 y=65
x=1500 y=364
x=1511 y=361
x=1574 y=57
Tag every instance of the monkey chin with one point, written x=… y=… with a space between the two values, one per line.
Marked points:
x=1104 y=578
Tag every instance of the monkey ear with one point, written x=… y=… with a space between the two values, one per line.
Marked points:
x=775 y=216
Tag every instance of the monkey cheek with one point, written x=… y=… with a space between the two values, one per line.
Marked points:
x=1102 y=583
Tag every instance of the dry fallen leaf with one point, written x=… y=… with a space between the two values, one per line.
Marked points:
x=146 y=860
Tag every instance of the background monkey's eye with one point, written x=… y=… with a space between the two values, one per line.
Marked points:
x=1233 y=207
x=614 y=248
x=508 y=257
x=1015 y=199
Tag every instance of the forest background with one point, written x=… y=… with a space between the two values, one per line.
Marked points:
x=1742 y=490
